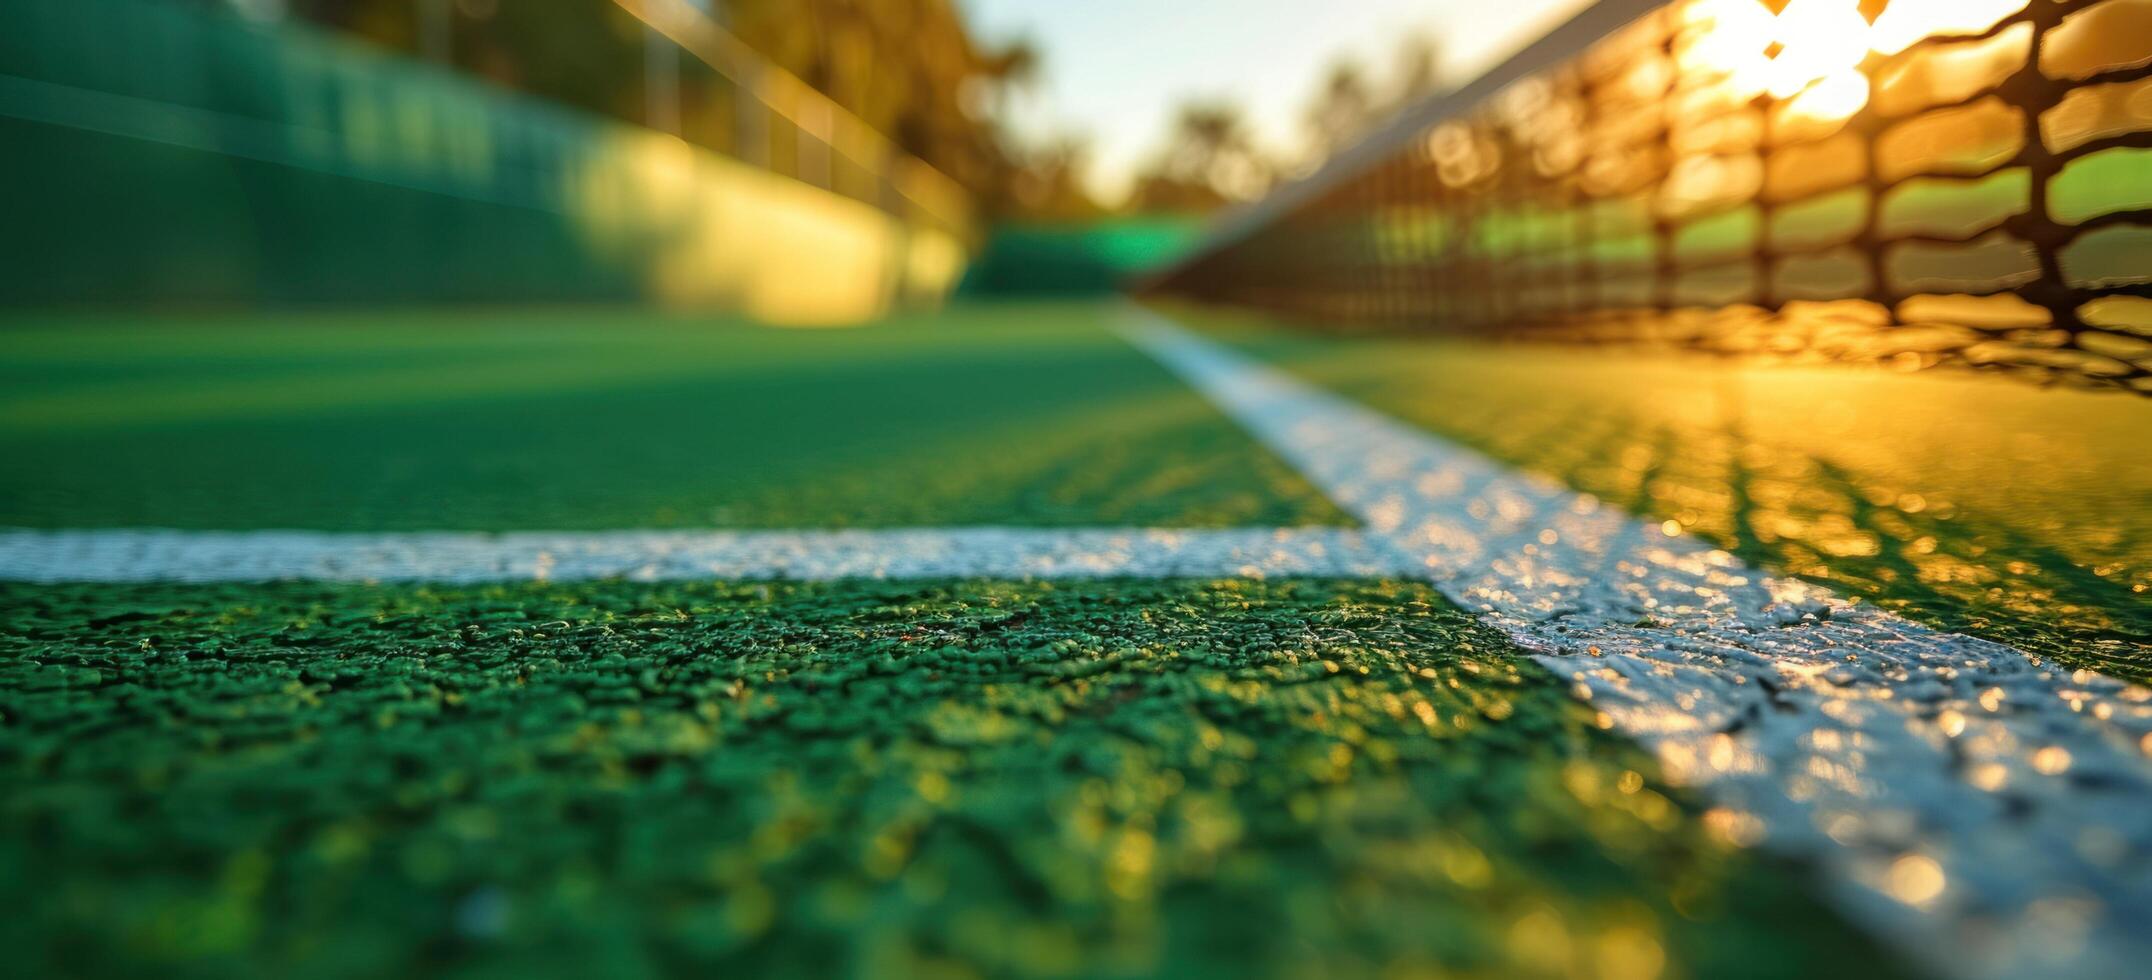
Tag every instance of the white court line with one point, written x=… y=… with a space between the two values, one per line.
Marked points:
x=1991 y=815
x=139 y=555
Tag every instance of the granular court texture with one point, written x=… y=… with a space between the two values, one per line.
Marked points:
x=955 y=779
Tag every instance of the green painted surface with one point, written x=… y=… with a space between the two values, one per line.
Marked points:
x=1076 y=259
x=1222 y=779
x=126 y=220
x=597 y=419
x=164 y=152
x=1978 y=503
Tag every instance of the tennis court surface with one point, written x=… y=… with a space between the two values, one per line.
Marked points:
x=1053 y=640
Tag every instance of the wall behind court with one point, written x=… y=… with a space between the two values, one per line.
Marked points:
x=157 y=153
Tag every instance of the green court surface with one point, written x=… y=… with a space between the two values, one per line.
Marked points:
x=1229 y=778
x=1975 y=502
x=1116 y=778
x=595 y=419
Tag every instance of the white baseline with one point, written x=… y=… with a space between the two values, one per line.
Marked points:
x=142 y=555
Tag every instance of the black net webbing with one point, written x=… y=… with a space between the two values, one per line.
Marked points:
x=1921 y=181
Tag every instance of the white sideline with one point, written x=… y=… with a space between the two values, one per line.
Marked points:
x=1991 y=815
x=138 y=555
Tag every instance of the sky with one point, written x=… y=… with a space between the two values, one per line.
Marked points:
x=1115 y=70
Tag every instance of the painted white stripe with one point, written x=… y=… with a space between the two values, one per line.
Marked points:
x=1992 y=815
x=135 y=555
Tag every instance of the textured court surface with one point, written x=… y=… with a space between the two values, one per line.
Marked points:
x=1223 y=775
x=595 y=420
x=1947 y=786
x=2012 y=511
x=1220 y=778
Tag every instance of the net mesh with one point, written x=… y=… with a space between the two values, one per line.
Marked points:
x=1920 y=181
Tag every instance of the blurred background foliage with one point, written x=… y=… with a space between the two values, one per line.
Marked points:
x=910 y=69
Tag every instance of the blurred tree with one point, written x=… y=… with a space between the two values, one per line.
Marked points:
x=908 y=68
x=1347 y=106
x=1211 y=159
x=1344 y=108
x=585 y=53
x=1418 y=71
x=1047 y=184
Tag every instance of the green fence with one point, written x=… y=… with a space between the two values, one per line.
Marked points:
x=160 y=152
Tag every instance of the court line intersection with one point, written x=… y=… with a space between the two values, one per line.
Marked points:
x=1982 y=809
